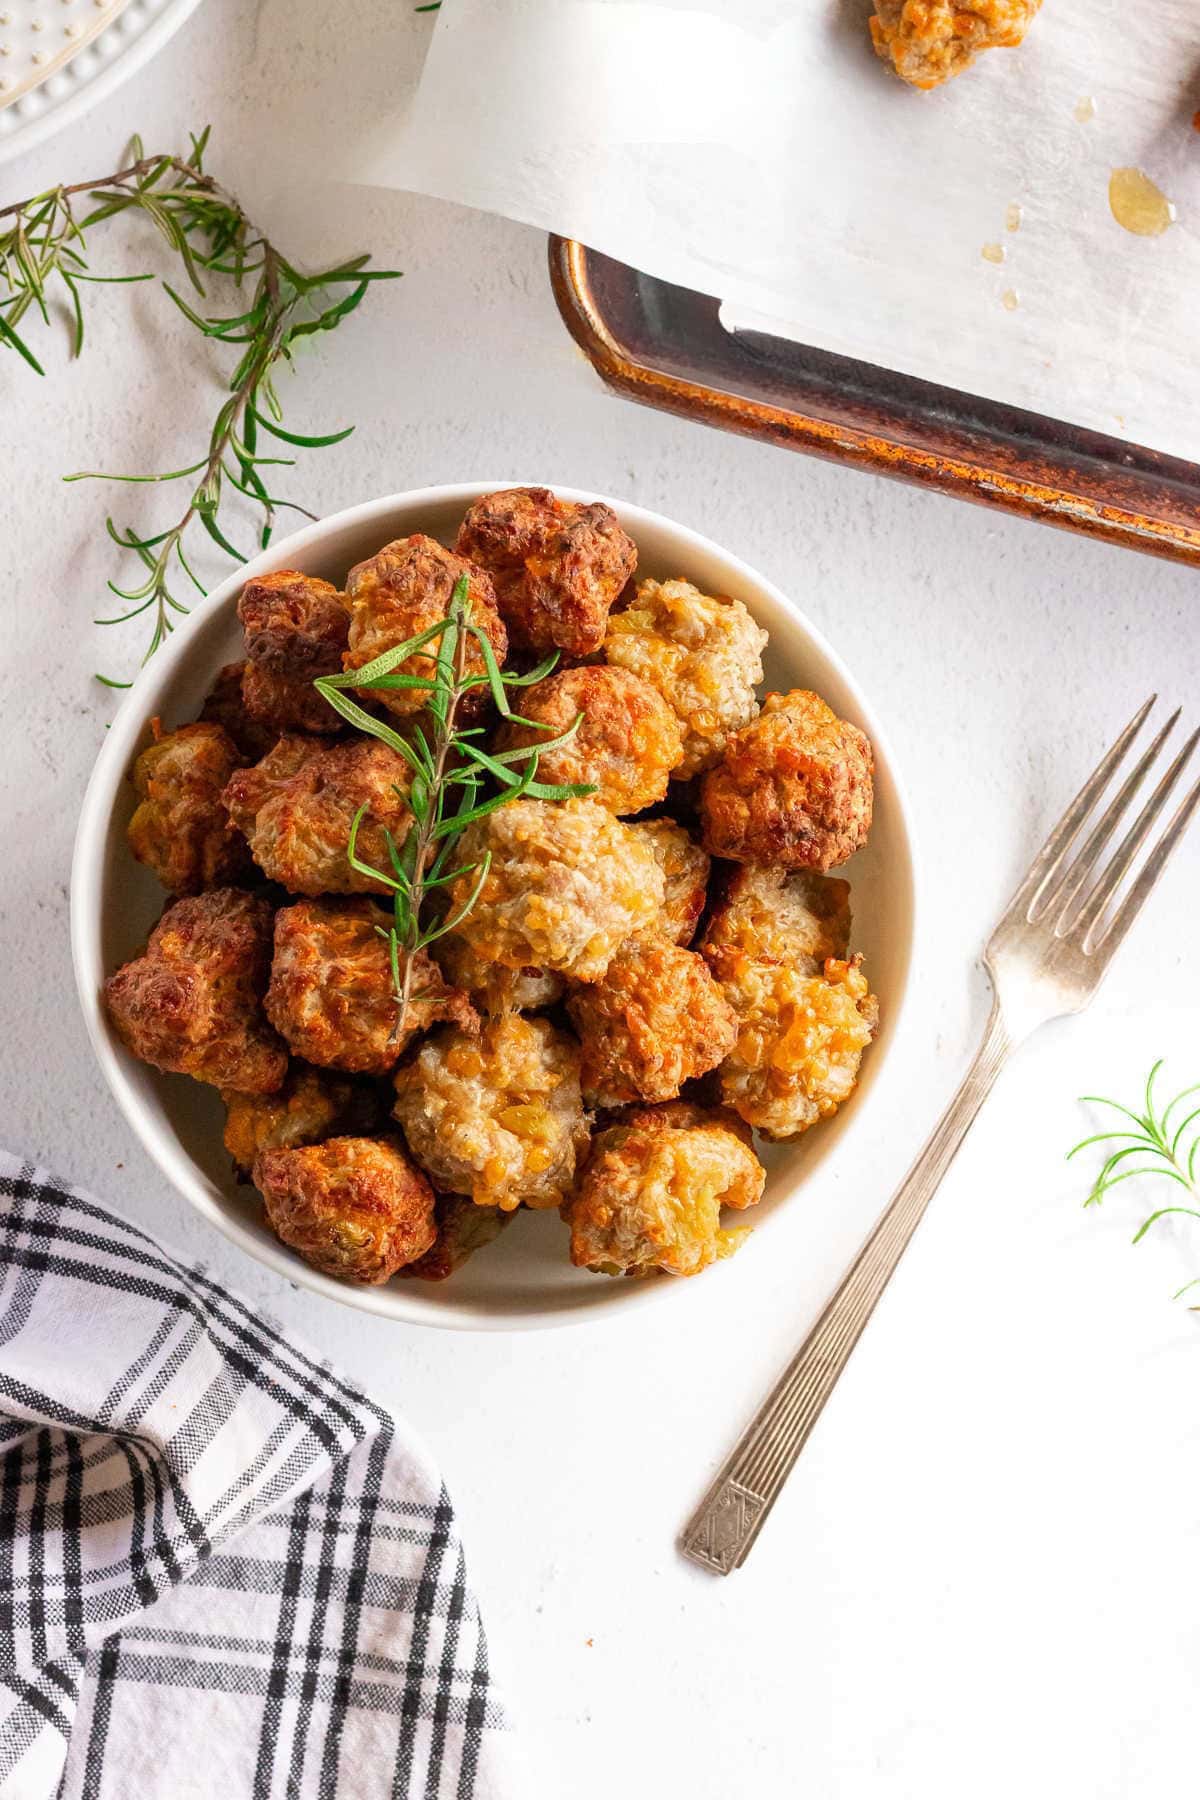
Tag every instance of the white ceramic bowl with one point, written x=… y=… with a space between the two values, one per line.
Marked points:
x=524 y=1279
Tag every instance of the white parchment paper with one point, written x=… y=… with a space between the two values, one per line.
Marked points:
x=758 y=151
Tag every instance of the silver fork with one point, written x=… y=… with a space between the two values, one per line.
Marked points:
x=1046 y=958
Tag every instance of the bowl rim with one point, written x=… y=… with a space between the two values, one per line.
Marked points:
x=392 y=1300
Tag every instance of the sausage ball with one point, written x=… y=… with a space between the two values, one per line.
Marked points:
x=491 y=987
x=191 y=1003
x=793 y=918
x=296 y=808
x=704 y=655
x=462 y=1229
x=225 y=705
x=558 y=565
x=398 y=593
x=655 y=1019
x=794 y=788
x=278 y=702
x=331 y=991
x=354 y=1207
x=497 y=1116
x=180 y=828
x=310 y=1106
x=567 y=884
x=652 y=1190
x=928 y=41
x=294 y=624
x=627 y=743
x=685 y=869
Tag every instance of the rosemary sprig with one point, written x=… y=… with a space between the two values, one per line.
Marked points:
x=1160 y=1145
x=43 y=257
x=454 y=779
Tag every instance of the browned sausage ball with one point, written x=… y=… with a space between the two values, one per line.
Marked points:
x=558 y=565
x=655 y=1019
x=279 y=702
x=398 y=593
x=225 y=705
x=652 y=1190
x=796 y=919
x=353 y=1207
x=310 y=1105
x=567 y=884
x=462 y=1229
x=294 y=624
x=928 y=41
x=794 y=788
x=496 y=1115
x=685 y=869
x=627 y=743
x=297 y=806
x=192 y=1002
x=180 y=828
x=331 y=987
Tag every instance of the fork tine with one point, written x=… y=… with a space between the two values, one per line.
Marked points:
x=1049 y=858
x=1093 y=907
x=1110 y=938
x=1063 y=892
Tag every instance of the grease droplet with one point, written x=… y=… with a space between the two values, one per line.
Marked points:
x=1139 y=204
x=1009 y=301
x=1085 y=109
x=1013 y=217
x=993 y=253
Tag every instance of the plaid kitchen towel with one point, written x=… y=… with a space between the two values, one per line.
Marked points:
x=224 y=1572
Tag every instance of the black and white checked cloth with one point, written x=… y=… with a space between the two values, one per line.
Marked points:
x=223 y=1571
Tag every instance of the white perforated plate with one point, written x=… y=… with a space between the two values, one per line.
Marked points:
x=58 y=57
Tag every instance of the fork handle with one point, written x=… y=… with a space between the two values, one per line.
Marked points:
x=729 y=1518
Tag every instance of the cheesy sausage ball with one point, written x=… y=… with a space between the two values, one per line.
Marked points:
x=191 y=1003
x=294 y=624
x=296 y=808
x=794 y=788
x=398 y=593
x=462 y=1229
x=928 y=41
x=492 y=987
x=655 y=1019
x=702 y=653
x=627 y=743
x=805 y=1012
x=310 y=1106
x=558 y=565
x=497 y=1116
x=685 y=869
x=331 y=987
x=567 y=884
x=353 y=1207
x=652 y=1190
x=225 y=705
x=180 y=828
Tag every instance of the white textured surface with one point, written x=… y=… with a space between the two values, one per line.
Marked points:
x=983 y=1578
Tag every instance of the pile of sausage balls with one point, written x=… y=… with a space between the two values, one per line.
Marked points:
x=648 y=975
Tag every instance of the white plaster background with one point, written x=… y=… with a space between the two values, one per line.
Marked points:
x=983 y=1578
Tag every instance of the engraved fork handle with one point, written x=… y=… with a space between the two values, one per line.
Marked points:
x=729 y=1518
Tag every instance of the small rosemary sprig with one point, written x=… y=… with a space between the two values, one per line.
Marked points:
x=43 y=257
x=1161 y=1145
x=450 y=773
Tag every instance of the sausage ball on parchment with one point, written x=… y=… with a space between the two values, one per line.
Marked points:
x=558 y=565
x=805 y=1013
x=704 y=655
x=492 y=987
x=627 y=743
x=498 y=1116
x=297 y=806
x=685 y=869
x=331 y=987
x=652 y=1190
x=180 y=828
x=311 y=1105
x=354 y=1207
x=655 y=1019
x=794 y=788
x=192 y=1002
x=567 y=884
x=402 y=590
x=225 y=705
x=928 y=41
x=462 y=1229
